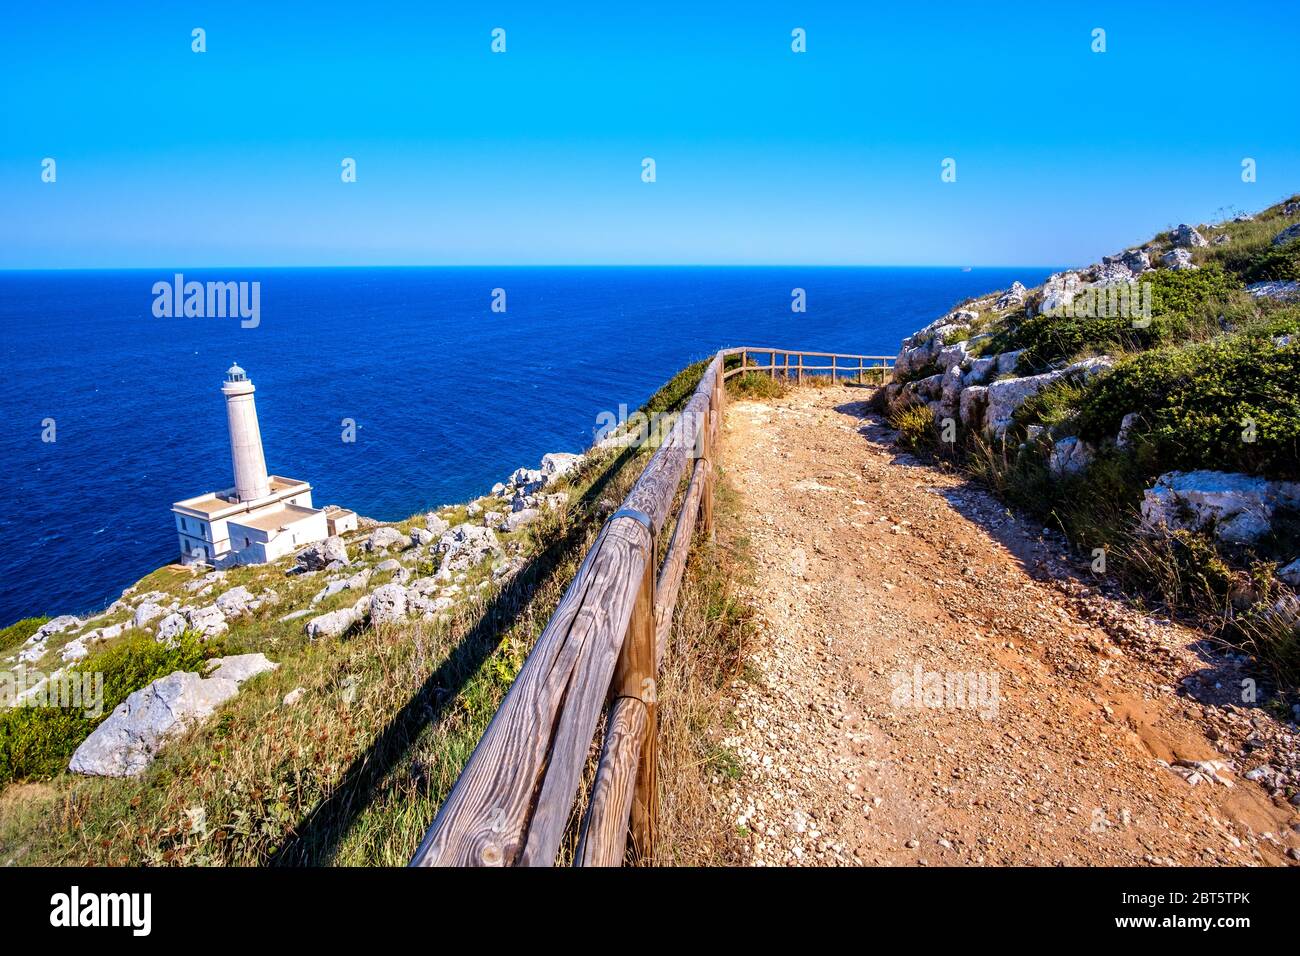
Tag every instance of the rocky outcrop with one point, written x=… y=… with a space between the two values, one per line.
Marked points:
x=1013 y=298
x=388 y=604
x=127 y=741
x=1287 y=234
x=1005 y=396
x=1136 y=261
x=322 y=553
x=1235 y=508
x=1178 y=259
x=1070 y=456
x=1058 y=292
x=1279 y=291
x=381 y=539
x=1186 y=237
x=466 y=546
x=339 y=622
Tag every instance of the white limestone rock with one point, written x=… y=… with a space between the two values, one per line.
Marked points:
x=238 y=600
x=1186 y=237
x=557 y=464
x=1237 y=508
x=129 y=738
x=1013 y=298
x=1287 y=234
x=519 y=519
x=170 y=627
x=322 y=553
x=1007 y=395
x=147 y=612
x=337 y=623
x=240 y=667
x=466 y=546
x=1070 y=456
x=1058 y=292
x=1178 y=260
x=1282 y=290
x=388 y=604
x=208 y=621
x=381 y=539
x=421 y=537
x=434 y=524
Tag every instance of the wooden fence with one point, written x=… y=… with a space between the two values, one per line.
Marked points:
x=512 y=802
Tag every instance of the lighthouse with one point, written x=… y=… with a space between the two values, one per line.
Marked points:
x=251 y=482
x=263 y=517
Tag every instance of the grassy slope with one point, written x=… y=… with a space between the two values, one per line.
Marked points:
x=1213 y=390
x=355 y=771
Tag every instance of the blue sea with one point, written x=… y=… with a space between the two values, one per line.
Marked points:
x=448 y=396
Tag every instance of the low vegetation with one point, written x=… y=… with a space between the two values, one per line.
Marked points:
x=1212 y=381
x=354 y=772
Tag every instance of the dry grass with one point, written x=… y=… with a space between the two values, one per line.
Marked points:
x=703 y=658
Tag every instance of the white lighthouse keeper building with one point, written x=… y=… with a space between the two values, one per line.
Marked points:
x=263 y=517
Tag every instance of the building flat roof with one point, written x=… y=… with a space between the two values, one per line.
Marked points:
x=274 y=517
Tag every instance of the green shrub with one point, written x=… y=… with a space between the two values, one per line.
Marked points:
x=916 y=427
x=17 y=633
x=38 y=742
x=1232 y=404
x=756 y=385
x=1182 y=304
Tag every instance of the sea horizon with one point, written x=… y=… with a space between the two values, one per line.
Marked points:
x=447 y=395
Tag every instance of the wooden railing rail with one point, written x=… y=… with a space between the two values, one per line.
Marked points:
x=512 y=802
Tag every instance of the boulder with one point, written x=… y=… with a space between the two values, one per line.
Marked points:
x=518 y=519
x=293 y=696
x=129 y=738
x=171 y=627
x=557 y=464
x=57 y=625
x=973 y=405
x=1136 y=261
x=466 y=546
x=381 y=539
x=1291 y=573
x=1186 y=237
x=237 y=601
x=1125 y=437
x=388 y=604
x=1178 y=259
x=557 y=500
x=473 y=509
x=74 y=650
x=240 y=667
x=1013 y=298
x=528 y=480
x=1005 y=396
x=1287 y=234
x=434 y=524
x=422 y=536
x=1282 y=290
x=335 y=623
x=493 y=519
x=1070 y=456
x=322 y=553
x=1236 y=508
x=146 y=612
x=208 y=621
x=1058 y=292
x=1113 y=273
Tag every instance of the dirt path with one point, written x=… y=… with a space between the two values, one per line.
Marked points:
x=875 y=572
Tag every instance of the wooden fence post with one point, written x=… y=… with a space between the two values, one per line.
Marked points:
x=800 y=368
x=834 y=371
x=635 y=676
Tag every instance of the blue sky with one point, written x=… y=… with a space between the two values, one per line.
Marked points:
x=168 y=158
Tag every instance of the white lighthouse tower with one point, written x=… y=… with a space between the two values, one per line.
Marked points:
x=262 y=518
x=246 y=456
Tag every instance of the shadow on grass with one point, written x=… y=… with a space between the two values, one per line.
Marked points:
x=322 y=831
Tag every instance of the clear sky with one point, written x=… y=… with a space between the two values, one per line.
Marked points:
x=170 y=158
